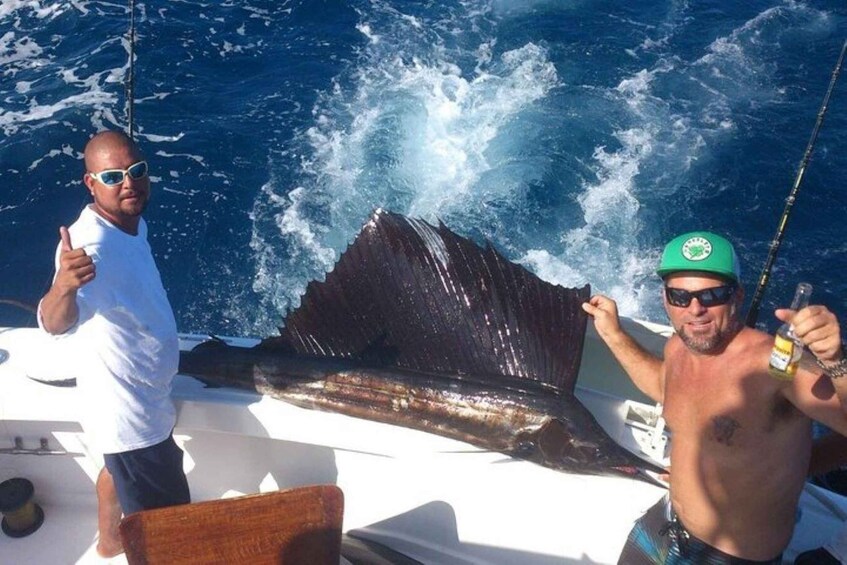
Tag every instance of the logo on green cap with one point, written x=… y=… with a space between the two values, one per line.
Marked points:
x=700 y=251
x=696 y=248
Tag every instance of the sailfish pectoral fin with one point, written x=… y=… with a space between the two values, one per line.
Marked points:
x=558 y=443
x=564 y=445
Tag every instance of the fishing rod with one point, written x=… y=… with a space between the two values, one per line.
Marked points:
x=131 y=73
x=130 y=132
x=753 y=313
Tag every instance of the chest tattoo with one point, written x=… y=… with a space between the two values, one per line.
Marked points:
x=723 y=428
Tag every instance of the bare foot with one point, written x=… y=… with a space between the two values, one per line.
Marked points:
x=109 y=547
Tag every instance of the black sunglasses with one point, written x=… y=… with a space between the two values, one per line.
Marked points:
x=707 y=297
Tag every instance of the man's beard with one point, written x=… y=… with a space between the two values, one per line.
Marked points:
x=136 y=209
x=710 y=343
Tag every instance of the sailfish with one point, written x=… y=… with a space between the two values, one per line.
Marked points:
x=417 y=326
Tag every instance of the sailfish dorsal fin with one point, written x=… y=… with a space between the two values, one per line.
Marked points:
x=423 y=298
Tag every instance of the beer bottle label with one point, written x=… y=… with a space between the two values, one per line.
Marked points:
x=783 y=356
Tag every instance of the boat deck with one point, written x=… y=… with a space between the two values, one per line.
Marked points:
x=434 y=499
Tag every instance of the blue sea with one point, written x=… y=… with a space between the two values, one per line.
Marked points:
x=577 y=136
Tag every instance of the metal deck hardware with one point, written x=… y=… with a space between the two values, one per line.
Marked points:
x=42 y=449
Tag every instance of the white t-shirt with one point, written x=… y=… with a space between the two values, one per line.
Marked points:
x=125 y=345
x=837 y=546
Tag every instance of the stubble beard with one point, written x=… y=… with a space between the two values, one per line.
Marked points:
x=709 y=343
x=136 y=209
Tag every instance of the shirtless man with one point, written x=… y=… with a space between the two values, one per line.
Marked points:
x=741 y=438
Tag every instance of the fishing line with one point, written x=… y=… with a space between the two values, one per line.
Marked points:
x=753 y=313
x=19 y=304
x=131 y=73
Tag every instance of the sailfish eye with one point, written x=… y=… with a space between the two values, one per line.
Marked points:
x=524 y=448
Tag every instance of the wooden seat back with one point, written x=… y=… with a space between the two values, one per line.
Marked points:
x=293 y=526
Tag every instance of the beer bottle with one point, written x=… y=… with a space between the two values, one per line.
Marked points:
x=787 y=348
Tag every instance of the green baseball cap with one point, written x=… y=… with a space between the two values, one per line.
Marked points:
x=700 y=251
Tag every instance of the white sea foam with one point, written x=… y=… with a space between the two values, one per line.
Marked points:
x=291 y=222
x=739 y=61
x=276 y=280
x=610 y=208
x=365 y=30
x=65 y=150
x=417 y=126
x=441 y=122
x=198 y=158
x=23 y=56
x=664 y=140
x=523 y=6
x=551 y=268
x=606 y=248
x=18 y=53
x=10 y=122
x=37 y=8
x=161 y=138
x=407 y=128
x=601 y=249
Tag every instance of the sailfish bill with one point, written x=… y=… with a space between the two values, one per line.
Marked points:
x=419 y=327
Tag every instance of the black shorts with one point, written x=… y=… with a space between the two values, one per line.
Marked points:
x=150 y=477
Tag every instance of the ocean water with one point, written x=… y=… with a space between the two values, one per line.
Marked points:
x=577 y=136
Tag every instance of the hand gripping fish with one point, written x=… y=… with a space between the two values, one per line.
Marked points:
x=416 y=326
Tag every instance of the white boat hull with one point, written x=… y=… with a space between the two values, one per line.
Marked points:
x=434 y=499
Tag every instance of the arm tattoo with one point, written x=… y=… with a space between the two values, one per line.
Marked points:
x=723 y=428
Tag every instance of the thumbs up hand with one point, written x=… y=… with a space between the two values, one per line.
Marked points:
x=76 y=268
x=65 y=235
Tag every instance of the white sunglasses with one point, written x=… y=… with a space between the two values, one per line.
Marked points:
x=114 y=177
